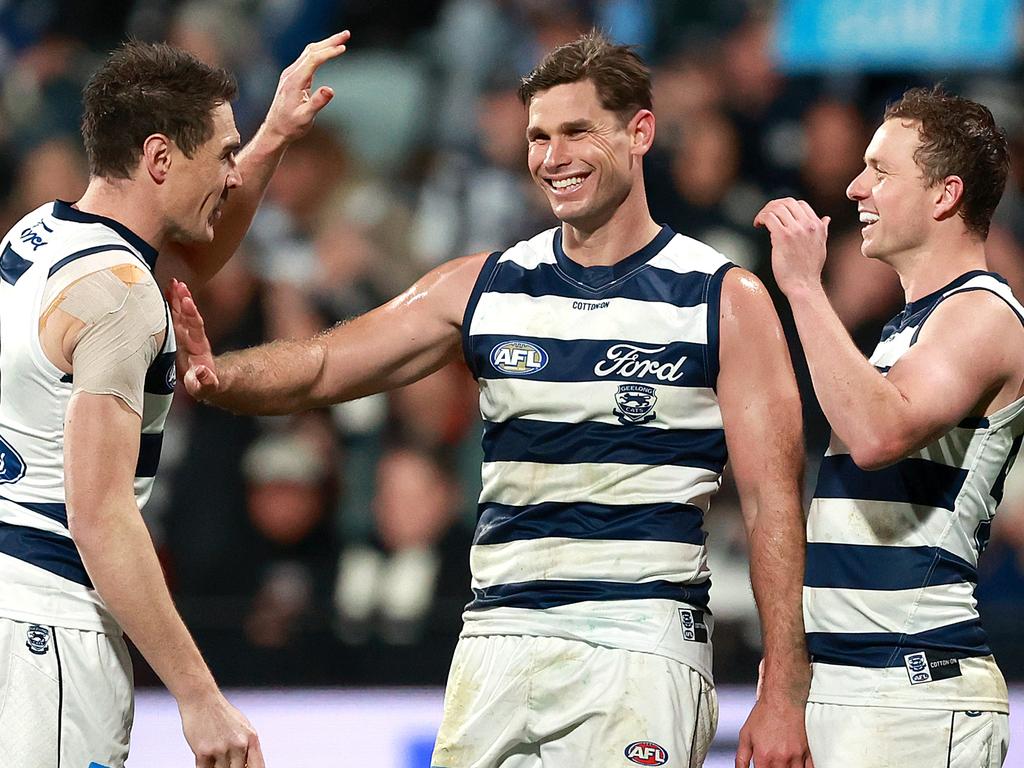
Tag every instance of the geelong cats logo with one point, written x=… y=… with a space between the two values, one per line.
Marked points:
x=635 y=403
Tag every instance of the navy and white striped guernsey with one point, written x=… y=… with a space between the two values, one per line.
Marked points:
x=892 y=554
x=603 y=444
x=42 y=576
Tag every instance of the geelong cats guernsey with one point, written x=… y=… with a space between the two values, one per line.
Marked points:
x=603 y=444
x=42 y=578
x=892 y=554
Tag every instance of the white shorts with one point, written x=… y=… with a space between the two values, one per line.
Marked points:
x=842 y=736
x=65 y=697
x=527 y=702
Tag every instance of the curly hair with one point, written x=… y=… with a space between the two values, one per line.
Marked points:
x=958 y=137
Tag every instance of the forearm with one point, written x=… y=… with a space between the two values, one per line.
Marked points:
x=272 y=379
x=777 y=545
x=118 y=555
x=862 y=407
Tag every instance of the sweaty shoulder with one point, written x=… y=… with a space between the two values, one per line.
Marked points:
x=449 y=286
x=744 y=298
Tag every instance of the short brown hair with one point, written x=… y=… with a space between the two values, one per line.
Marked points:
x=622 y=79
x=147 y=88
x=959 y=137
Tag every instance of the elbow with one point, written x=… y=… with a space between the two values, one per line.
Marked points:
x=876 y=453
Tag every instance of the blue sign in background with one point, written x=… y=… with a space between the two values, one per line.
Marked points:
x=896 y=34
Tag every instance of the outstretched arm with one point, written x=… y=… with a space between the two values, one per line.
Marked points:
x=290 y=116
x=404 y=340
x=953 y=370
x=761 y=411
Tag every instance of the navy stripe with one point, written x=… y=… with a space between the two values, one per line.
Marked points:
x=65 y=212
x=149 y=454
x=1000 y=484
x=89 y=252
x=913 y=481
x=551 y=594
x=482 y=282
x=54 y=511
x=49 y=551
x=12 y=266
x=861 y=566
x=652 y=284
x=714 y=300
x=574 y=361
x=159 y=380
x=887 y=649
x=550 y=442
x=598 y=278
x=502 y=523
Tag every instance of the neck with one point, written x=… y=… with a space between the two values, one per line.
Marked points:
x=928 y=269
x=628 y=230
x=123 y=201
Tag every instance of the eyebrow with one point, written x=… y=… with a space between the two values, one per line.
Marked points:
x=572 y=126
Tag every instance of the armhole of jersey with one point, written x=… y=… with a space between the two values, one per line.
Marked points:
x=917 y=331
x=483 y=281
x=714 y=304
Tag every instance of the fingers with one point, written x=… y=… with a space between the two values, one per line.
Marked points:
x=744 y=751
x=320 y=98
x=254 y=756
x=787 y=213
x=316 y=54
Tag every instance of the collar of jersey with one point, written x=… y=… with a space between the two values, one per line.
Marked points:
x=596 y=278
x=924 y=302
x=65 y=212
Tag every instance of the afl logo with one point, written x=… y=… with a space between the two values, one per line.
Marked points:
x=646 y=753
x=518 y=358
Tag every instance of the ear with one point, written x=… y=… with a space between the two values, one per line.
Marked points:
x=641 y=132
x=949 y=195
x=156 y=157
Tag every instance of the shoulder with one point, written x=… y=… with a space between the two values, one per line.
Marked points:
x=978 y=317
x=743 y=293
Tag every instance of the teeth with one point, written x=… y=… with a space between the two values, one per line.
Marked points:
x=570 y=182
x=868 y=218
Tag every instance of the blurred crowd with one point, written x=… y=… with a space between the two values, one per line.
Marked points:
x=332 y=547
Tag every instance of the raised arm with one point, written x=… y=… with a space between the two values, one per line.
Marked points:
x=404 y=340
x=953 y=371
x=290 y=116
x=761 y=411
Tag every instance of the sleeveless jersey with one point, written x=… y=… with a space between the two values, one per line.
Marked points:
x=603 y=444
x=892 y=554
x=42 y=578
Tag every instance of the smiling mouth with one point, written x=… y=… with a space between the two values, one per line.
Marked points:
x=567 y=185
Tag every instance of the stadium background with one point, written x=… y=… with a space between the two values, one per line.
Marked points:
x=329 y=550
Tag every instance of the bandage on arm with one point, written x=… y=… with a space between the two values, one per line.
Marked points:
x=124 y=326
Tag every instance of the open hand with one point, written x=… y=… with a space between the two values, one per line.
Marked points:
x=798 y=242
x=195 y=357
x=295 y=104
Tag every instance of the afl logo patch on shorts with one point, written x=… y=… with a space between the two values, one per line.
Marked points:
x=646 y=753
x=518 y=358
x=37 y=639
x=12 y=466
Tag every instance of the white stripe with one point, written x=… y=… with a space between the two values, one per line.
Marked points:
x=575 y=402
x=890 y=524
x=520 y=483
x=641 y=322
x=627 y=562
x=684 y=255
x=888 y=352
x=13 y=514
x=529 y=253
x=887 y=610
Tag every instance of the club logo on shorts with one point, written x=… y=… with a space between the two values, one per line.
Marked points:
x=172 y=377
x=635 y=403
x=518 y=358
x=646 y=753
x=37 y=639
x=694 y=628
x=12 y=466
x=931 y=666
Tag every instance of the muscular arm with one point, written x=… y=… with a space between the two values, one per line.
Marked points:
x=290 y=115
x=411 y=336
x=761 y=411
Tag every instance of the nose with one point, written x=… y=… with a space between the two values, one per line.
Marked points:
x=557 y=154
x=858 y=188
x=234 y=179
